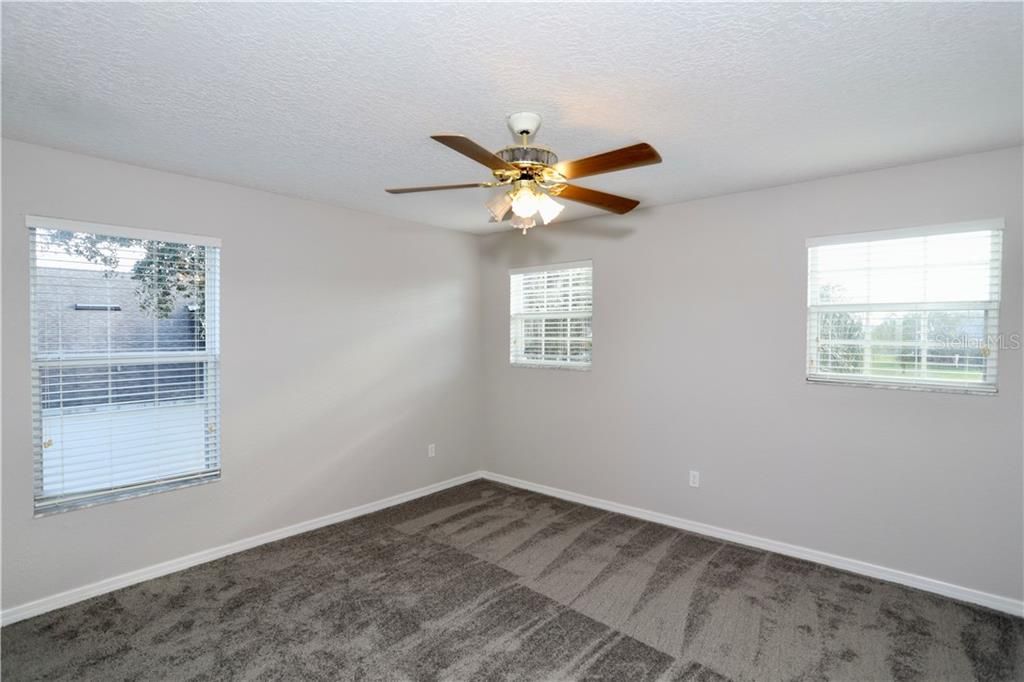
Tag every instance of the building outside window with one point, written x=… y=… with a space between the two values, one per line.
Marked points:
x=125 y=362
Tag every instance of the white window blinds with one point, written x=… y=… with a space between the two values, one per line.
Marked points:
x=913 y=308
x=125 y=362
x=551 y=309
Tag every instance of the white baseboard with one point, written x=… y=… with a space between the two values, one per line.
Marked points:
x=56 y=601
x=1005 y=604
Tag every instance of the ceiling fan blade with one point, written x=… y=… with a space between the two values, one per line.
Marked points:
x=434 y=188
x=591 y=197
x=467 y=147
x=635 y=156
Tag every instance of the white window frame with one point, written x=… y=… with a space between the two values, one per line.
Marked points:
x=210 y=356
x=514 y=319
x=913 y=384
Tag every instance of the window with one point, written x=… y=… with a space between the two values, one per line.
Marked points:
x=125 y=362
x=551 y=309
x=914 y=308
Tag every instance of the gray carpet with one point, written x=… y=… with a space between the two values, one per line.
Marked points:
x=484 y=581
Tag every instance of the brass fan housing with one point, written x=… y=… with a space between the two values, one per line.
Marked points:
x=534 y=163
x=531 y=155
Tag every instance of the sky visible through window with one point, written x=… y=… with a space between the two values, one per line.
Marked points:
x=944 y=267
x=51 y=254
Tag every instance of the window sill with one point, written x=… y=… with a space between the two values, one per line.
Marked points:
x=984 y=390
x=543 y=365
x=141 y=490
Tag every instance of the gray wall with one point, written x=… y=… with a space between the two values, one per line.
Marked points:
x=349 y=342
x=928 y=483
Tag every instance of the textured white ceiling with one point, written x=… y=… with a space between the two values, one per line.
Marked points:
x=336 y=102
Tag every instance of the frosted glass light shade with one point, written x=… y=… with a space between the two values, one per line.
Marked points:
x=499 y=206
x=524 y=201
x=549 y=208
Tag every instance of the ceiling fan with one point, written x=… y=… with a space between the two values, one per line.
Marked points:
x=534 y=175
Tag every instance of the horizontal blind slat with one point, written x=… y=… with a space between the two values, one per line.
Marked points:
x=551 y=312
x=917 y=307
x=125 y=363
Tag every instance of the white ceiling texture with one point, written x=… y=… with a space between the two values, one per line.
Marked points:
x=335 y=102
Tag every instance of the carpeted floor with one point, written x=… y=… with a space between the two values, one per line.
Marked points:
x=484 y=581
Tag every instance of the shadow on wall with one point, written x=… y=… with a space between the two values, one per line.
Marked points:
x=363 y=393
x=538 y=244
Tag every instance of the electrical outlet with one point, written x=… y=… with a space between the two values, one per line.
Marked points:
x=694 y=479
x=430 y=450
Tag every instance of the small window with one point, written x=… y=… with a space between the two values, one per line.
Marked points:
x=551 y=309
x=125 y=362
x=915 y=308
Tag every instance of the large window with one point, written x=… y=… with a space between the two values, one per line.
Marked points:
x=551 y=308
x=125 y=362
x=915 y=308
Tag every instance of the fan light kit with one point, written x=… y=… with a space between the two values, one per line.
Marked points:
x=531 y=175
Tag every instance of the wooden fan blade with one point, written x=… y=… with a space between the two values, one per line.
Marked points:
x=591 y=197
x=635 y=156
x=467 y=147
x=434 y=188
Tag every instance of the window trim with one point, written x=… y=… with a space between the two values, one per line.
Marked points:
x=920 y=385
x=47 y=223
x=553 y=267
x=128 y=492
x=907 y=232
x=43 y=507
x=550 y=365
x=897 y=385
